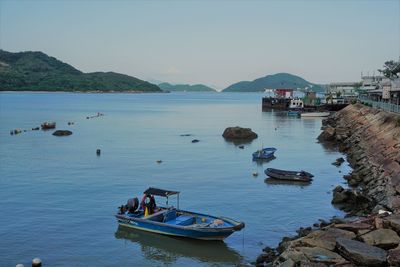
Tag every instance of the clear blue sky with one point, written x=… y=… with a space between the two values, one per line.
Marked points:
x=211 y=42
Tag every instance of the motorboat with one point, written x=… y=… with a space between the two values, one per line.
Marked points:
x=302 y=176
x=264 y=153
x=168 y=220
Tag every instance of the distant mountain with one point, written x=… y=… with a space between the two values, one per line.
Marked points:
x=36 y=71
x=279 y=80
x=186 y=87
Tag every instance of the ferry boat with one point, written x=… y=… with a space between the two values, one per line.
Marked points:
x=168 y=220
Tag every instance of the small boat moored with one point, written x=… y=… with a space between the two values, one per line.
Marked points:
x=301 y=176
x=168 y=220
x=264 y=153
x=48 y=125
x=315 y=114
x=294 y=113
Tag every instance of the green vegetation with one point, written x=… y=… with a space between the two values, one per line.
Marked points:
x=391 y=69
x=279 y=80
x=36 y=71
x=186 y=87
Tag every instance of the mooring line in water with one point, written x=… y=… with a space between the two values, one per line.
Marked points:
x=243 y=241
x=280 y=231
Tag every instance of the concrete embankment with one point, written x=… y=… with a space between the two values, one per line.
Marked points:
x=371 y=140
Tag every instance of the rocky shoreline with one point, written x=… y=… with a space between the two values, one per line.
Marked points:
x=370 y=233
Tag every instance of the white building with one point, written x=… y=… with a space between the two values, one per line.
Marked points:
x=343 y=89
x=373 y=85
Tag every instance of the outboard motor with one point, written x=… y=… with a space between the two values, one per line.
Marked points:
x=132 y=205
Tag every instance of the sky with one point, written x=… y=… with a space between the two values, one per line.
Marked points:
x=211 y=42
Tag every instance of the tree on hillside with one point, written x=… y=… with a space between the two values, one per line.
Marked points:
x=391 y=69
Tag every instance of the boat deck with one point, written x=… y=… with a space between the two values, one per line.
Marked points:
x=180 y=218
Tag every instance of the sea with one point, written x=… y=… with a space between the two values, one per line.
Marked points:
x=58 y=197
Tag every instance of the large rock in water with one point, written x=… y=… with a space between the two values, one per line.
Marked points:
x=239 y=133
x=361 y=253
x=327 y=135
x=62 y=133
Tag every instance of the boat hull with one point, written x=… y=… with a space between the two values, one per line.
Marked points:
x=294 y=113
x=265 y=153
x=203 y=233
x=315 y=114
x=299 y=176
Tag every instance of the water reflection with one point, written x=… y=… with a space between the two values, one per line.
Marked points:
x=272 y=181
x=167 y=250
x=238 y=142
x=260 y=162
x=329 y=146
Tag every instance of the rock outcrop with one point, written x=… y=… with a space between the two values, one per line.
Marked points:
x=368 y=241
x=239 y=133
x=361 y=253
x=371 y=140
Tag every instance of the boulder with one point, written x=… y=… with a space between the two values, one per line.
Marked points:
x=325 y=238
x=393 y=222
x=361 y=253
x=321 y=255
x=303 y=231
x=327 y=135
x=293 y=254
x=288 y=263
x=383 y=238
x=62 y=133
x=239 y=133
x=394 y=257
x=354 y=227
x=351 y=201
x=352 y=179
x=268 y=255
x=340 y=195
x=338 y=162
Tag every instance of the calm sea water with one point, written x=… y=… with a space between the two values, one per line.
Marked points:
x=58 y=198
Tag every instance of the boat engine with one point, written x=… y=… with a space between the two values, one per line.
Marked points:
x=132 y=205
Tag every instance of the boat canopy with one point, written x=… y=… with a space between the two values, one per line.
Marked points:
x=160 y=192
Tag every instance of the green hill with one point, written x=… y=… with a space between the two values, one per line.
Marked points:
x=279 y=80
x=36 y=71
x=185 y=87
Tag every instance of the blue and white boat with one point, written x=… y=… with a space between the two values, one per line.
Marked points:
x=168 y=220
x=294 y=113
x=264 y=153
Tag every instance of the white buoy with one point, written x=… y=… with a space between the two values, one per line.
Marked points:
x=19 y=265
x=36 y=262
